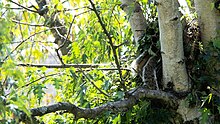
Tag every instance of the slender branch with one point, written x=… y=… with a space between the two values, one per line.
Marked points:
x=63 y=66
x=155 y=79
x=25 y=23
x=108 y=69
x=21 y=42
x=67 y=33
x=88 y=66
x=64 y=42
x=24 y=7
x=118 y=106
x=59 y=57
x=39 y=79
x=93 y=83
x=110 y=42
x=66 y=38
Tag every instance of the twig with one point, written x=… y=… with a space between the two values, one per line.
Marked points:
x=144 y=69
x=29 y=24
x=24 y=7
x=110 y=42
x=71 y=24
x=66 y=38
x=21 y=42
x=64 y=66
x=59 y=57
x=107 y=69
x=87 y=66
x=39 y=79
x=93 y=83
x=61 y=66
x=64 y=42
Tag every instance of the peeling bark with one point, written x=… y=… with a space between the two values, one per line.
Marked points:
x=171 y=39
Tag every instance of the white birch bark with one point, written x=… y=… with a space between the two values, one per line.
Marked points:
x=209 y=20
x=171 y=39
x=138 y=25
x=136 y=17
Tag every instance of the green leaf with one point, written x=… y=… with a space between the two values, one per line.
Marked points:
x=21 y=106
x=205 y=115
x=60 y=6
x=119 y=95
x=38 y=91
x=117 y=119
x=57 y=83
x=84 y=58
x=216 y=43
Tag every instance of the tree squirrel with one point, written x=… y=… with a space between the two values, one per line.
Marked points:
x=138 y=64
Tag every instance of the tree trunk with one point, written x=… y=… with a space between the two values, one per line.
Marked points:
x=136 y=17
x=209 y=20
x=171 y=40
x=209 y=23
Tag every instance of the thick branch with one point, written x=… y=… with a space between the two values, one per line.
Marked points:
x=118 y=106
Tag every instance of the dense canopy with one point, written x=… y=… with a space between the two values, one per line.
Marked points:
x=108 y=61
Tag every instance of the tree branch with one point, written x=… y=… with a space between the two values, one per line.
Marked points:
x=21 y=42
x=40 y=79
x=62 y=66
x=23 y=7
x=25 y=23
x=110 y=42
x=88 y=66
x=90 y=80
x=118 y=106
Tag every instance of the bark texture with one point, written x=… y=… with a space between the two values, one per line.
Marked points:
x=209 y=20
x=118 y=106
x=59 y=31
x=171 y=39
x=136 y=17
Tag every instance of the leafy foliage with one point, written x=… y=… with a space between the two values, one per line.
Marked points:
x=202 y=63
x=28 y=37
